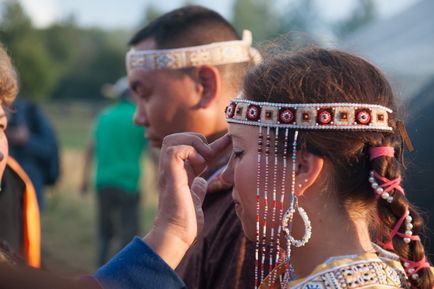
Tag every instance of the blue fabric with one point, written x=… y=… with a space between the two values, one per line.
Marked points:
x=137 y=266
x=38 y=153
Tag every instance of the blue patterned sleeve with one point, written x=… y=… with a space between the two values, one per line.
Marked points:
x=138 y=266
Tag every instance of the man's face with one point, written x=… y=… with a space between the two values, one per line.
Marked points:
x=167 y=101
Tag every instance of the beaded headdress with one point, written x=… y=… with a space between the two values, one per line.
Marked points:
x=271 y=179
x=218 y=53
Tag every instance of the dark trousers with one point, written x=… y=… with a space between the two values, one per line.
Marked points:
x=117 y=217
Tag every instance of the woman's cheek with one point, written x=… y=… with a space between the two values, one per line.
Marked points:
x=245 y=184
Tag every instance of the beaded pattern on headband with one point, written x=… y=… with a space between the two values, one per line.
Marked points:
x=337 y=116
x=218 y=53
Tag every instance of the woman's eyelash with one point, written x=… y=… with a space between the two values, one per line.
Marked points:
x=238 y=154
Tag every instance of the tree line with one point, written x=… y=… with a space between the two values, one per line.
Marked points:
x=66 y=61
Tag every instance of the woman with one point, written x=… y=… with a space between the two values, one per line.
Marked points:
x=316 y=170
x=339 y=113
x=19 y=222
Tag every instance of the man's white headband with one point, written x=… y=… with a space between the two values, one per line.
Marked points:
x=217 y=53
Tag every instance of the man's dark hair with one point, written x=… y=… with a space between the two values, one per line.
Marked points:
x=186 y=26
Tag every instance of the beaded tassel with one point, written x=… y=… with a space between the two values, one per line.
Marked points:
x=264 y=226
x=282 y=195
x=273 y=215
x=258 y=196
x=282 y=198
x=290 y=272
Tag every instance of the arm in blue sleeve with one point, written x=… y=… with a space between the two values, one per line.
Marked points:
x=138 y=266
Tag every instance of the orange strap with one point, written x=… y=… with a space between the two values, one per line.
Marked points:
x=31 y=219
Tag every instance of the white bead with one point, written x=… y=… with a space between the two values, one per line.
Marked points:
x=408 y=219
x=380 y=191
x=406 y=264
x=371 y=180
x=407 y=240
x=411 y=271
x=408 y=226
x=371 y=173
x=385 y=195
x=374 y=186
x=415 y=276
x=408 y=233
x=390 y=200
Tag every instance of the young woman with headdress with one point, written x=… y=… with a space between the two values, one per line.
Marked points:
x=317 y=175
x=329 y=201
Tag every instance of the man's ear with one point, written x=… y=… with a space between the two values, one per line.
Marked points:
x=308 y=171
x=210 y=82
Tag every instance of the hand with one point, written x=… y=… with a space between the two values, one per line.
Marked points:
x=180 y=219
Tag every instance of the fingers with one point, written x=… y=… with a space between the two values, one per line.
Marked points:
x=187 y=156
x=195 y=140
x=199 y=142
x=220 y=144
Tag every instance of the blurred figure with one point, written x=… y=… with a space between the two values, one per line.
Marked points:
x=33 y=143
x=19 y=214
x=117 y=147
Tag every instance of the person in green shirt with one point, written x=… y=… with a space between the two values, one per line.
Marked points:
x=116 y=146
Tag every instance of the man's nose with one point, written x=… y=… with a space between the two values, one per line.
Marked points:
x=140 y=117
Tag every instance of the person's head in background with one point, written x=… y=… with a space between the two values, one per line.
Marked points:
x=119 y=90
x=191 y=98
x=8 y=92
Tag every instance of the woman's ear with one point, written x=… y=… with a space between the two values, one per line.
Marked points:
x=308 y=170
x=210 y=81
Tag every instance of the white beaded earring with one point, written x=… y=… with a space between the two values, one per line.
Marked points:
x=307 y=226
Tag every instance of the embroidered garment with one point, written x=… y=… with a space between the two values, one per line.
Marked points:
x=369 y=270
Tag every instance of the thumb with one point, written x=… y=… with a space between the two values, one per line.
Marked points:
x=198 y=189
x=198 y=192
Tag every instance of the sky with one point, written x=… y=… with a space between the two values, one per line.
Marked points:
x=127 y=13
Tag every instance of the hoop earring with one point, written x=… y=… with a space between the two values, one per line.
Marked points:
x=287 y=219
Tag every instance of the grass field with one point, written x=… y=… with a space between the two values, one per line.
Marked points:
x=68 y=221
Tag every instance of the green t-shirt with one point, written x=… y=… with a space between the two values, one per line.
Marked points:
x=119 y=145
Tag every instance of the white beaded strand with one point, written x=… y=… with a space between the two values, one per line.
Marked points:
x=264 y=226
x=274 y=202
x=282 y=194
x=258 y=200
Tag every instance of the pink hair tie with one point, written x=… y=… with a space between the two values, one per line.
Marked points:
x=389 y=185
x=412 y=267
x=395 y=232
x=376 y=152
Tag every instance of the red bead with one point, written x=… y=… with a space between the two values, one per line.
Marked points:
x=253 y=112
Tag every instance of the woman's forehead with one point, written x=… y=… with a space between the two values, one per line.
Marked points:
x=243 y=132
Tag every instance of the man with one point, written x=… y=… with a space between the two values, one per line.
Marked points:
x=117 y=146
x=183 y=68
